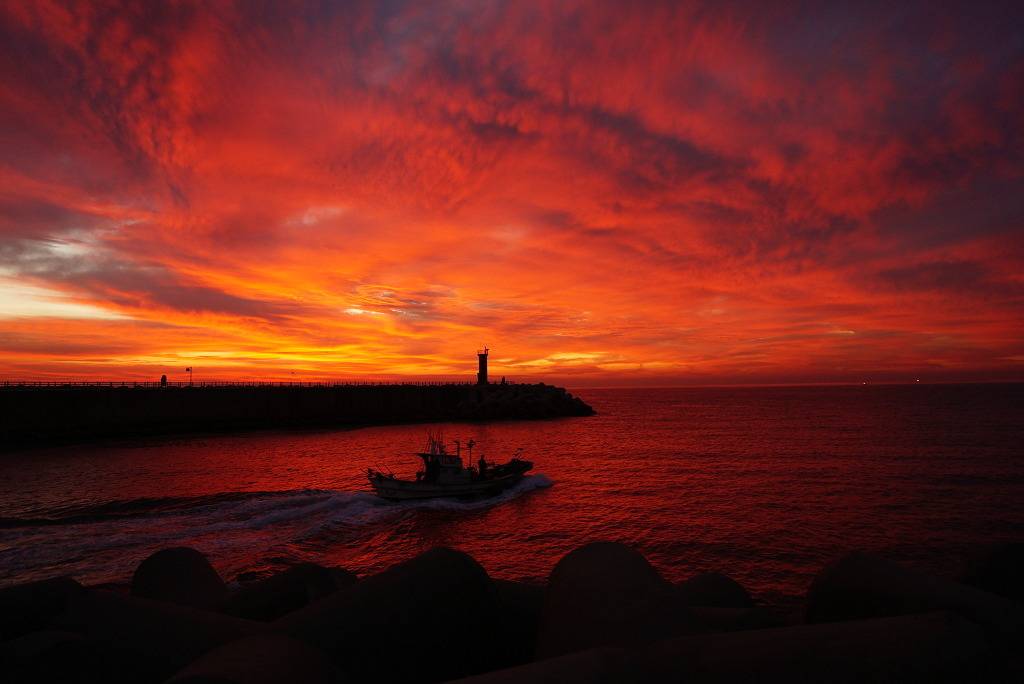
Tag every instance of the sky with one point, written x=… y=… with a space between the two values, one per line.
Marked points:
x=601 y=192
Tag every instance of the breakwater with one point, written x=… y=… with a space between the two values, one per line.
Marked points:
x=604 y=615
x=33 y=414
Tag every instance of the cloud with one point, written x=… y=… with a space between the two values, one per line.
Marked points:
x=698 y=191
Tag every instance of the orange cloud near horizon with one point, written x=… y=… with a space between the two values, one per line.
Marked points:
x=613 y=194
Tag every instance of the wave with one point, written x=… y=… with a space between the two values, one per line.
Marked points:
x=133 y=508
x=256 y=510
x=527 y=484
x=104 y=541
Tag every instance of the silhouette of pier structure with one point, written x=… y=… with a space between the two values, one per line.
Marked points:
x=49 y=412
x=481 y=374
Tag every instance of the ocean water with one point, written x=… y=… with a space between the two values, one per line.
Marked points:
x=764 y=484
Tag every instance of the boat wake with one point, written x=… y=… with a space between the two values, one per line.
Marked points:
x=527 y=484
x=88 y=541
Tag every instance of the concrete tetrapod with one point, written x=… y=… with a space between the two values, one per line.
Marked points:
x=179 y=575
x=166 y=636
x=998 y=569
x=25 y=608
x=521 y=606
x=594 y=666
x=927 y=647
x=280 y=594
x=54 y=656
x=714 y=589
x=861 y=585
x=262 y=659
x=914 y=648
x=606 y=594
x=429 y=619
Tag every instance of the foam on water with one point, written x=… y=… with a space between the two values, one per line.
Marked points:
x=38 y=546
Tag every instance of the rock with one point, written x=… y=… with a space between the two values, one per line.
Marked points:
x=29 y=607
x=296 y=587
x=606 y=594
x=713 y=618
x=521 y=606
x=861 y=585
x=714 y=589
x=429 y=619
x=998 y=569
x=37 y=657
x=54 y=656
x=915 y=648
x=594 y=666
x=263 y=659
x=165 y=636
x=181 y=576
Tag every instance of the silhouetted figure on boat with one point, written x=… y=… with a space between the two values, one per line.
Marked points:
x=482 y=465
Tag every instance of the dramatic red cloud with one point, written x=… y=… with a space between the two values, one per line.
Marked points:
x=603 y=192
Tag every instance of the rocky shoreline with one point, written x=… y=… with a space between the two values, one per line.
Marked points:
x=605 y=615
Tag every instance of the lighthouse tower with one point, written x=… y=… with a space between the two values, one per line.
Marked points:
x=481 y=374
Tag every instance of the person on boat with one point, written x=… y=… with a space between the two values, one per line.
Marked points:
x=482 y=464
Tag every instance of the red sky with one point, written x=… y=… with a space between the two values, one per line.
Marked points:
x=602 y=192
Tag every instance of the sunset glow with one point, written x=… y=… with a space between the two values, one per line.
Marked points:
x=604 y=193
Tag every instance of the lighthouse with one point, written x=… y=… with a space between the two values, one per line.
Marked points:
x=481 y=374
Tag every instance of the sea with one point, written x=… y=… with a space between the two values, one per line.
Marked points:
x=764 y=484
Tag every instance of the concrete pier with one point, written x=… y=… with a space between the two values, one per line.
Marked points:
x=32 y=414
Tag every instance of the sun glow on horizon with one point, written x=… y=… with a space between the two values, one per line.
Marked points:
x=682 y=192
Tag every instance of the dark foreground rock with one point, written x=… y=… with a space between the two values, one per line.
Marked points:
x=606 y=594
x=287 y=591
x=432 y=618
x=714 y=619
x=161 y=637
x=520 y=606
x=918 y=648
x=998 y=569
x=262 y=659
x=61 y=656
x=179 y=575
x=922 y=648
x=715 y=590
x=862 y=585
x=606 y=615
x=606 y=665
x=26 y=608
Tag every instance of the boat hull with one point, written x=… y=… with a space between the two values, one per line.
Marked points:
x=394 y=489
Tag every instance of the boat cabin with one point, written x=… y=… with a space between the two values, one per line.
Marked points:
x=441 y=467
x=445 y=475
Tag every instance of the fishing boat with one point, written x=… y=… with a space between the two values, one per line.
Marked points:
x=445 y=475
